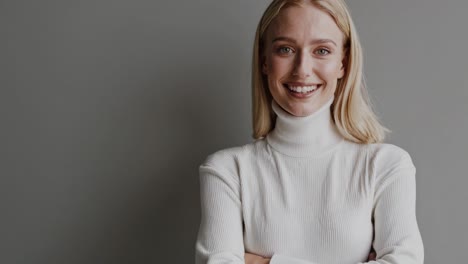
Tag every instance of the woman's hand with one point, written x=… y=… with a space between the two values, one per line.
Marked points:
x=255 y=259
x=372 y=255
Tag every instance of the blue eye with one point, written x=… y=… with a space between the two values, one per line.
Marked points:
x=322 y=52
x=284 y=50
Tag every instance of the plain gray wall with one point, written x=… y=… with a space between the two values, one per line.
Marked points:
x=108 y=107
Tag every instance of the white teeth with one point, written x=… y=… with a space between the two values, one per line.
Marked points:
x=302 y=89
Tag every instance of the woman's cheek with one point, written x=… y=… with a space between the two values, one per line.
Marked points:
x=280 y=66
x=330 y=70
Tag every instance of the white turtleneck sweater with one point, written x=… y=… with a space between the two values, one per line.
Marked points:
x=306 y=195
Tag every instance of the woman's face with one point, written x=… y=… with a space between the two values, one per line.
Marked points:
x=303 y=59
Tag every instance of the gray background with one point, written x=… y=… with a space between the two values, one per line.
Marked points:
x=108 y=107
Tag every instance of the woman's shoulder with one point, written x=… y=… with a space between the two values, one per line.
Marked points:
x=231 y=157
x=387 y=150
x=380 y=155
x=375 y=149
x=388 y=156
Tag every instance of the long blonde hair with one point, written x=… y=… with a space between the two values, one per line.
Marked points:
x=351 y=109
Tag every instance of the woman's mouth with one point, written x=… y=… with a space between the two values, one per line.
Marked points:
x=302 y=91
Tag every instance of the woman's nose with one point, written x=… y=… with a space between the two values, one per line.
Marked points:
x=302 y=65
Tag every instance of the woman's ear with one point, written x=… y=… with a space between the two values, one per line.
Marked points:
x=343 y=67
x=264 y=65
x=342 y=71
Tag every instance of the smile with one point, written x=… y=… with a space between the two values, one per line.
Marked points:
x=302 y=90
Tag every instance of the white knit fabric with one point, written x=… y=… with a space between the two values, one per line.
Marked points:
x=305 y=195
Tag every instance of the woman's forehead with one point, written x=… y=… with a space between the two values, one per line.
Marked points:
x=304 y=22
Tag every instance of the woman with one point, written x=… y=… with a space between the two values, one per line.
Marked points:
x=318 y=186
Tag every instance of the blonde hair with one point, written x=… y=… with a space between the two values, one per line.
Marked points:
x=351 y=109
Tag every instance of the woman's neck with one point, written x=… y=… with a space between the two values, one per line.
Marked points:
x=307 y=136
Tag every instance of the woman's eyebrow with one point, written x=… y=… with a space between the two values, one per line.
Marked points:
x=315 y=41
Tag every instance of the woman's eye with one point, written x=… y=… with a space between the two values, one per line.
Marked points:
x=322 y=51
x=284 y=50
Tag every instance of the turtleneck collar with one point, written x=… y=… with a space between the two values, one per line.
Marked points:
x=306 y=136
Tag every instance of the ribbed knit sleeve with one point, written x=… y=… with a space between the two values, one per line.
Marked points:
x=397 y=237
x=220 y=236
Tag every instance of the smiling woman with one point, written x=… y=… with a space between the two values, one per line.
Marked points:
x=317 y=186
x=303 y=59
